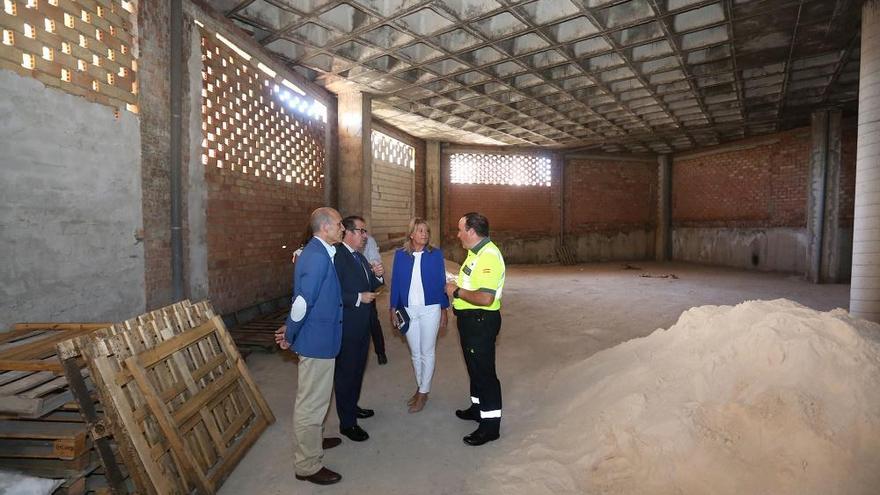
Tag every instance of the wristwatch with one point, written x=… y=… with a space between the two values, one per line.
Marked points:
x=455 y=293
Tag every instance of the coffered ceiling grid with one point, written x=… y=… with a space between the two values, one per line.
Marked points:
x=622 y=75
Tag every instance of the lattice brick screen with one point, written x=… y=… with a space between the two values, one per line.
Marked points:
x=84 y=47
x=516 y=170
x=253 y=126
x=390 y=150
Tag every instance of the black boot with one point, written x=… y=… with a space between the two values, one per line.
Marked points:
x=470 y=414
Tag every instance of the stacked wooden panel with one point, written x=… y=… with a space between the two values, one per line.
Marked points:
x=42 y=433
x=181 y=404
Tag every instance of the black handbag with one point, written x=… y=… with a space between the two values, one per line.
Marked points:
x=401 y=318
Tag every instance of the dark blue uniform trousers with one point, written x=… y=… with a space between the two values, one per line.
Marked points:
x=478 y=330
x=349 y=375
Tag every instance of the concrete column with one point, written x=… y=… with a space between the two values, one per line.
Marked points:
x=663 y=231
x=864 y=297
x=331 y=164
x=355 y=156
x=830 y=268
x=823 y=263
x=433 y=179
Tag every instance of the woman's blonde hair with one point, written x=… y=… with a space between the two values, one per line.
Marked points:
x=413 y=225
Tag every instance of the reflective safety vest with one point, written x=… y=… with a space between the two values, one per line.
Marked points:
x=482 y=271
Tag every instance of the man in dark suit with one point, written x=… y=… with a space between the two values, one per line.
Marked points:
x=359 y=281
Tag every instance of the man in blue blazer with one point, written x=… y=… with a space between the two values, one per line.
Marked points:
x=314 y=331
x=359 y=281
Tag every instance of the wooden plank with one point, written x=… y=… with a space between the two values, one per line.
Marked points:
x=60 y=326
x=152 y=356
x=53 y=385
x=216 y=387
x=37 y=349
x=166 y=423
x=171 y=392
x=26 y=383
x=32 y=365
x=127 y=431
x=51 y=468
x=238 y=450
x=114 y=478
x=62 y=448
x=41 y=430
x=230 y=349
x=183 y=367
x=15 y=335
x=10 y=376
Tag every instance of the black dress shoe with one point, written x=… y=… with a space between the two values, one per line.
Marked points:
x=480 y=437
x=469 y=414
x=323 y=477
x=330 y=442
x=383 y=359
x=362 y=413
x=355 y=433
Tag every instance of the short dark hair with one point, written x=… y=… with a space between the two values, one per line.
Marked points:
x=348 y=222
x=479 y=223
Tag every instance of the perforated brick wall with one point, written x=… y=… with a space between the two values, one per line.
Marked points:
x=87 y=48
x=264 y=174
x=514 y=211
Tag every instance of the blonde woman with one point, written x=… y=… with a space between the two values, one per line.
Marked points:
x=418 y=285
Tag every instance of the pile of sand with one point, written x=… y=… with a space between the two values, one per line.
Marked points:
x=767 y=397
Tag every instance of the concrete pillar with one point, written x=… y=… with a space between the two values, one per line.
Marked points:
x=663 y=230
x=830 y=268
x=864 y=297
x=823 y=202
x=355 y=156
x=433 y=180
x=331 y=164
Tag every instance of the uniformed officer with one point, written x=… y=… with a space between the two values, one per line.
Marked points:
x=477 y=303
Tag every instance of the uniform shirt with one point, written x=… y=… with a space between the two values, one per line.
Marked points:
x=482 y=271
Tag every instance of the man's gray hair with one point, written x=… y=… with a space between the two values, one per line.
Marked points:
x=320 y=217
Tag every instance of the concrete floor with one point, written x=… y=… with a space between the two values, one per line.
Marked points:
x=552 y=316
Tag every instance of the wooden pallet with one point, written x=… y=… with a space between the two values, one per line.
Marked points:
x=259 y=334
x=181 y=404
x=32 y=382
x=42 y=430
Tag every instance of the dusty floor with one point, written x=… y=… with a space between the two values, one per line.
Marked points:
x=552 y=316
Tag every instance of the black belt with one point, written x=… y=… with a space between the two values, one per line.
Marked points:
x=472 y=313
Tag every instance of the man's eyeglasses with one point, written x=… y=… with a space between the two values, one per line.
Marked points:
x=361 y=231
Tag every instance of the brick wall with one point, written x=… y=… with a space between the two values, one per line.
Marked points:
x=513 y=211
x=520 y=217
x=609 y=195
x=250 y=219
x=758 y=182
x=609 y=211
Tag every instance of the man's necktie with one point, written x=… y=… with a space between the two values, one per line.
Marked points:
x=364 y=263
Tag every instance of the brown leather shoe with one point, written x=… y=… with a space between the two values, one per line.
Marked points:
x=323 y=477
x=330 y=442
x=419 y=404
